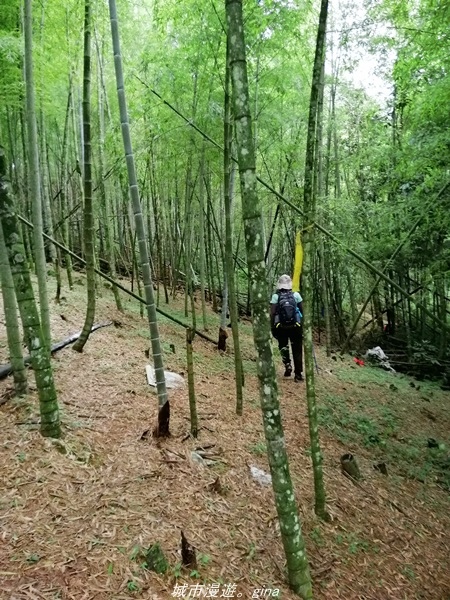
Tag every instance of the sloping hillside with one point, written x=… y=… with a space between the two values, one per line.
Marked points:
x=77 y=516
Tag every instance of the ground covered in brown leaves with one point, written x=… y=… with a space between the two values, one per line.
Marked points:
x=77 y=516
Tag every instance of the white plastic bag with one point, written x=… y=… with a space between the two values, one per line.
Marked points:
x=173 y=380
x=377 y=354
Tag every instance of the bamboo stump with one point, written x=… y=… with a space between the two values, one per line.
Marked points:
x=188 y=556
x=162 y=428
x=222 y=343
x=350 y=467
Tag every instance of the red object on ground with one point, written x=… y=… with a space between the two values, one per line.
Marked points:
x=359 y=362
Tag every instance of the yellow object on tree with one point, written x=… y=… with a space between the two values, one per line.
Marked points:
x=298 y=263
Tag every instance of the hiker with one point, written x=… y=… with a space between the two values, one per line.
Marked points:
x=286 y=311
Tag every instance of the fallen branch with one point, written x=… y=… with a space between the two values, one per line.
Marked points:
x=6 y=370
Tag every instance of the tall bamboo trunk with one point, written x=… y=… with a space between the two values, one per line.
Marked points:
x=88 y=214
x=188 y=197
x=25 y=192
x=104 y=187
x=46 y=187
x=190 y=334
x=201 y=221
x=297 y=564
x=377 y=308
x=325 y=303
x=211 y=261
x=403 y=281
x=164 y=409
x=77 y=183
x=307 y=275
x=39 y=351
x=12 y=322
x=51 y=212
x=228 y=199
x=35 y=186
x=158 y=226
x=351 y=293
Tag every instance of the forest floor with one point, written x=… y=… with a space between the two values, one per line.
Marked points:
x=75 y=525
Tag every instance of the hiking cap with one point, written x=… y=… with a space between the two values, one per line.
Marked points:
x=284 y=283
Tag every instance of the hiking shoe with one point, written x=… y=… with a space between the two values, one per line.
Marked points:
x=288 y=371
x=299 y=377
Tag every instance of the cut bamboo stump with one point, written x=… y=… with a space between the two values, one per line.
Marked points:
x=381 y=467
x=188 y=556
x=350 y=467
x=162 y=427
x=222 y=342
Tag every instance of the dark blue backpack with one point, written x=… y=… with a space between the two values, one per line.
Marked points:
x=287 y=314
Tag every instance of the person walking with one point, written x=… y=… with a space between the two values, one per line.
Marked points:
x=286 y=312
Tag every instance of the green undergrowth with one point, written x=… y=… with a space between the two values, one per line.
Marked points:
x=367 y=375
x=381 y=413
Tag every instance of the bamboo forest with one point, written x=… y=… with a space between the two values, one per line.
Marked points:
x=225 y=277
